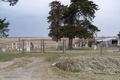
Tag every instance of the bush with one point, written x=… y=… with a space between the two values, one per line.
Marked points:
x=90 y=43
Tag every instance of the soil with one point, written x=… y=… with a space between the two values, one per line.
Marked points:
x=21 y=69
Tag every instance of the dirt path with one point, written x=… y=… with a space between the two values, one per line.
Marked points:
x=21 y=69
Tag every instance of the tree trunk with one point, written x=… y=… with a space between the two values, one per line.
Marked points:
x=70 y=44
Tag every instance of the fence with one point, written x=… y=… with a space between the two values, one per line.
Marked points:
x=33 y=46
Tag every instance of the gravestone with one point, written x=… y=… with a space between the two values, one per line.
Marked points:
x=12 y=46
x=20 y=49
x=28 y=45
x=75 y=45
x=95 y=47
x=3 y=49
x=58 y=45
x=16 y=45
x=118 y=42
x=34 y=46
x=86 y=45
x=80 y=44
x=6 y=47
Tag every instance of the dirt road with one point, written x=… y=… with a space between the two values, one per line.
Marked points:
x=21 y=69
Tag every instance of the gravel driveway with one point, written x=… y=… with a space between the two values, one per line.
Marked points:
x=20 y=69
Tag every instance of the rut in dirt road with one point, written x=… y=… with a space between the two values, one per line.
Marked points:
x=21 y=69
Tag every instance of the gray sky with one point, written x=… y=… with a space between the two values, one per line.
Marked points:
x=28 y=18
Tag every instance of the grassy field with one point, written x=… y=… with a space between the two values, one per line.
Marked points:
x=54 y=73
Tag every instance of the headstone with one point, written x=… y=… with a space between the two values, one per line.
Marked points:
x=86 y=45
x=75 y=45
x=34 y=46
x=80 y=44
x=56 y=46
x=16 y=45
x=95 y=47
x=12 y=46
x=6 y=47
x=109 y=51
x=28 y=46
x=20 y=49
x=118 y=42
x=10 y=49
x=59 y=45
x=3 y=49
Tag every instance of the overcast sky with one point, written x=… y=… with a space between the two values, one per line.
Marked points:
x=28 y=18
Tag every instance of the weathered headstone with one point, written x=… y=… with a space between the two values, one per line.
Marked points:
x=3 y=49
x=58 y=45
x=16 y=45
x=28 y=46
x=75 y=45
x=6 y=47
x=12 y=46
x=86 y=45
x=80 y=44
x=95 y=47
x=20 y=49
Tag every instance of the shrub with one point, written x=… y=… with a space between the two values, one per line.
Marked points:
x=90 y=43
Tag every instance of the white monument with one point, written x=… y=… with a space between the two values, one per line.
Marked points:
x=86 y=45
x=118 y=42
x=3 y=49
x=75 y=45
x=12 y=46
x=58 y=45
x=28 y=45
x=80 y=44
x=16 y=45
x=95 y=47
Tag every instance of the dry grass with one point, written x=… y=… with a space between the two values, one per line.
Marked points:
x=22 y=63
x=75 y=56
x=97 y=65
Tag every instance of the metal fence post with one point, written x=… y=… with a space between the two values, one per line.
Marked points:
x=19 y=45
x=64 y=46
x=43 y=46
x=22 y=46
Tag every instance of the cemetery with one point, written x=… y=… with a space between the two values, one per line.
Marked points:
x=47 y=45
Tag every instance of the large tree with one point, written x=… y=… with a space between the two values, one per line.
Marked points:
x=4 y=28
x=55 y=20
x=12 y=2
x=78 y=20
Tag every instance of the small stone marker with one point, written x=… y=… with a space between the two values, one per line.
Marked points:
x=3 y=49
x=95 y=47
x=109 y=51
x=75 y=45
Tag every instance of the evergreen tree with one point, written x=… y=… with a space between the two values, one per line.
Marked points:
x=12 y=2
x=78 y=20
x=3 y=28
x=55 y=20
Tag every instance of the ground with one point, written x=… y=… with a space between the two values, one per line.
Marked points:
x=37 y=66
x=21 y=69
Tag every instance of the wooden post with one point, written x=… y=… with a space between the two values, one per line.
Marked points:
x=22 y=46
x=41 y=45
x=101 y=46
